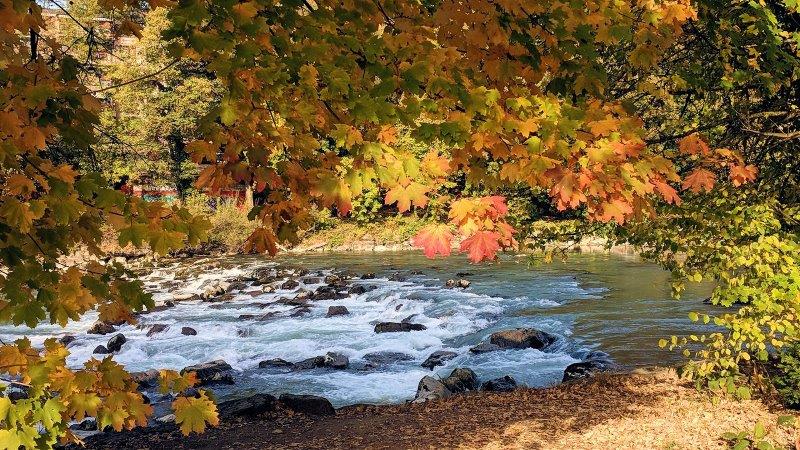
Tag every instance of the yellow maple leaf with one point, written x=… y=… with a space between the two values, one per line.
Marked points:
x=192 y=414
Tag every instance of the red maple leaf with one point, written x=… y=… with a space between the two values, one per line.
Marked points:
x=434 y=239
x=482 y=245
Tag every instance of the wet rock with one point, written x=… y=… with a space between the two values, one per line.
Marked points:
x=337 y=310
x=294 y=301
x=169 y=418
x=100 y=350
x=184 y=297
x=503 y=384
x=331 y=279
x=460 y=380
x=357 y=290
x=417 y=272
x=247 y=407
x=146 y=379
x=216 y=289
x=312 y=280
x=438 y=358
x=289 y=284
x=276 y=362
x=308 y=404
x=485 y=347
x=460 y=283
x=300 y=311
x=89 y=424
x=522 y=338
x=268 y=289
x=310 y=363
x=327 y=293
x=336 y=360
x=303 y=295
x=463 y=274
x=157 y=328
x=430 y=388
x=246 y=316
x=217 y=371
x=115 y=343
x=66 y=340
x=397 y=277
x=254 y=293
x=385 y=358
x=101 y=328
x=368 y=276
x=408 y=319
x=594 y=363
x=188 y=331
x=393 y=327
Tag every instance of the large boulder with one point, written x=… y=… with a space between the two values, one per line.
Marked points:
x=115 y=343
x=461 y=380
x=393 y=327
x=503 y=384
x=217 y=371
x=522 y=338
x=308 y=404
x=248 y=406
x=157 y=328
x=438 y=358
x=101 y=328
x=100 y=350
x=337 y=310
x=430 y=388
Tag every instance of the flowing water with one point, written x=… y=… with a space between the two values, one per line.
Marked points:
x=615 y=304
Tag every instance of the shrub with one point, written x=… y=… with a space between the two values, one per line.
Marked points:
x=787 y=382
x=230 y=226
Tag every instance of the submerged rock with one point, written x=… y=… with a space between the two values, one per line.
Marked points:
x=217 y=371
x=484 y=347
x=397 y=277
x=503 y=384
x=157 y=328
x=115 y=343
x=430 y=388
x=276 y=362
x=384 y=358
x=308 y=404
x=461 y=380
x=337 y=310
x=66 y=340
x=393 y=327
x=188 y=331
x=247 y=407
x=100 y=350
x=101 y=328
x=438 y=358
x=522 y=338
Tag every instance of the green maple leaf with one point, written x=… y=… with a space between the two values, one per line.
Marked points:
x=193 y=413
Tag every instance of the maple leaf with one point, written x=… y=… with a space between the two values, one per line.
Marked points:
x=404 y=196
x=617 y=210
x=434 y=239
x=669 y=194
x=82 y=404
x=693 y=145
x=387 y=135
x=482 y=245
x=700 y=179
x=261 y=240
x=741 y=174
x=192 y=414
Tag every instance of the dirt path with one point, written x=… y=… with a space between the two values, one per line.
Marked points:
x=633 y=411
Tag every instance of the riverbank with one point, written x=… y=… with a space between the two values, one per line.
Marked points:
x=650 y=409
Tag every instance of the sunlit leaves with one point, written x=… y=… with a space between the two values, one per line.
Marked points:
x=192 y=414
x=699 y=180
x=406 y=194
x=434 y=239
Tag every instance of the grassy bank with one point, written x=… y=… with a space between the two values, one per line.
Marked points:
x=644 y=410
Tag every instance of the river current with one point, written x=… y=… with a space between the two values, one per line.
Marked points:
x=615 y=304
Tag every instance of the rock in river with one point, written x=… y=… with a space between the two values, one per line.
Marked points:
x=211 y=372
x=438 y=358
x=595 y=362
x=276 y=362
x=504 y=384
x=188 y=331
x=392 y=327
x=101 y=328
x=337 y=310
x=248 y=406
x=100 y=350
x=430 y=388
x=308 y=404
x=157 y=328
x=115 y=343
x=522 y=338
x=461 y=380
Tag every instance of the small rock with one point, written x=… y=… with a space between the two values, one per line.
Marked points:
x=66 y=340
x=384 y=358
x=89 y=424
x=368 y=276
x=169 y=418
x=217 y=371
x=327 y=293
x=268 y=289
x=247 y=407
x=115 y=343
x=290 y=284
x=504 y=384
x=484 y=347
x=430 y=388
x=337 y=310
x=156 y=328
x=460 y=283
x=331 y=279
x=336 y=360
x=146 y=379
x=397 y=277
x=308 y=404
x=595 y=362
x=461 y=380
x=188 y=331
x=393 y=327
x=100 y=350
x=522 y=338
x=438 y=358
x=357 y=290
x=310 y=363
x=184 y=297
x=101 y=328
x=276 y=362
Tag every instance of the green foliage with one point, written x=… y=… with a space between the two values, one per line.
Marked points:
x=787 y=380
x=757 y=438
x=230 y=225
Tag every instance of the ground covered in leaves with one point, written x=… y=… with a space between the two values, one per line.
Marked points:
x=644 y=410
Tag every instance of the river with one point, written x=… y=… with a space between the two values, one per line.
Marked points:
x=615 y=304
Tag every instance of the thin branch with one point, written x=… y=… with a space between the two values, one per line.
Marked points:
x=136 y=80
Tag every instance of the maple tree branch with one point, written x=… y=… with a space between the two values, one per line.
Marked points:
x=136 y=80
x=782 y=136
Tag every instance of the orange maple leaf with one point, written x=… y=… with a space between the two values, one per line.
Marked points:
x=700 y=179
x=482 y=245
x=404 y=196
x=693 y=145
x=741 y=174
x=667 y=192
x=434 y=239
